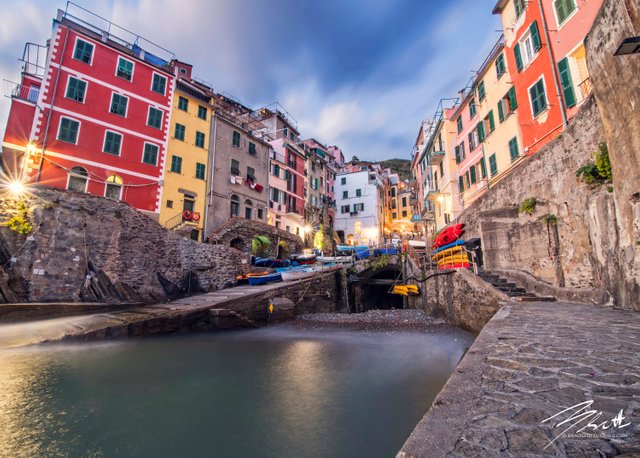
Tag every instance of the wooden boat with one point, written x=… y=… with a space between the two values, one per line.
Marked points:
x=298 y=274
x=336 y=259
x=448 y=235
x=263 y=279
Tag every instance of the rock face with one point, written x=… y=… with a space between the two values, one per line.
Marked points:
x=88 y=248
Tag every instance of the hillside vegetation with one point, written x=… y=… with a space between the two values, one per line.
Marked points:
x=401 y=166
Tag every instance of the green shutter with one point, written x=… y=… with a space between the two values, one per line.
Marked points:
x=461 y=183
x=500 y=111
x=535 y=36
x=567 y=84
x=483 y=167
x=457 y=154
x=513 y=103
x=480 y=131
x=493 y=166
x=492 y=122
x=516 y=52
x=472 y=173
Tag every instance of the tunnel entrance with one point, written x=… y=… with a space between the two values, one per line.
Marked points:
x=371 y=291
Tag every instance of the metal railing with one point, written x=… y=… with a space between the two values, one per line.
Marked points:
x=585 y=88
x=174 y=221
x=21 y=91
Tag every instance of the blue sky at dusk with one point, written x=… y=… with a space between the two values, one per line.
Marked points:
x=359 y=74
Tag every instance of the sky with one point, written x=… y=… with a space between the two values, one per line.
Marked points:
x=359 y=74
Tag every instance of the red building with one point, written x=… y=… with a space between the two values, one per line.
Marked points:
x=94 y=117
x=546 y=60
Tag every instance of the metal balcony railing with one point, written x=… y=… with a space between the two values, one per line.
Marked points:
x=20 y=91
x=585 y=88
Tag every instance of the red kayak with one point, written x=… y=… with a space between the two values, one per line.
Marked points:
x=455 y=265
x=448 y=235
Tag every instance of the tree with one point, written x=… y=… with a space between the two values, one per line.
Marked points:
x=260 y=246
x=355 y=159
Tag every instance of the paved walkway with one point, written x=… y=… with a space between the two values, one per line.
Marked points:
x=530 y=362
x=27 y=333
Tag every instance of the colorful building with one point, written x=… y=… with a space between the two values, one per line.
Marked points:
x=186 y=175
x=97 y=112
x=545 y=55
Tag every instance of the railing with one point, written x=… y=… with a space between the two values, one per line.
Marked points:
x=21 y=91
x=460 y=256
x=585 y=88
x=174 y=221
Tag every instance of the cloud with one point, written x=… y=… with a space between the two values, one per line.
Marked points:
x=361 y=75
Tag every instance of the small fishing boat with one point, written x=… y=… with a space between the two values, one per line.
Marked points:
x=263 y=279
x=303 y=258
x=298 y=274
x=244 y=278
x=269 y=262
x=336 y=259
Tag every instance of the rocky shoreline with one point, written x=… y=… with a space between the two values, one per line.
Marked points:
x=370 y=321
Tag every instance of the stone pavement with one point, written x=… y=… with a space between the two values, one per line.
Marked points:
x=529 y=363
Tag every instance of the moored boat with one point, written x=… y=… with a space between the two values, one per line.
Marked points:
x=336 y=259
x=263 y=279
x=298 y=274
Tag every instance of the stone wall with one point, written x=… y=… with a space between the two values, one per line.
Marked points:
x=127 y=256
x=615 y=81
x=238 y=233
x=460 y=297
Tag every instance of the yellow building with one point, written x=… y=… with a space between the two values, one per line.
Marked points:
x=187 y=164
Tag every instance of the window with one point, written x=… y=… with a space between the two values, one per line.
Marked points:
x=472 y=174
x=68 y=131
x=113 y=188
x=480 y=131
x=83 y=51
x=235 y=206
x=343 y=180
x=472 y=144
x=154 y=118
x=393 y=204
x=538 y=97
x=158 y=84
x=248 y=209
x=393 y=192
x=150 y=155
x=169 y=203
x=112 y=143
x=119 y=104
x=252 y=149
x=202 y=112
x=489 y=122
x=529 y=45
x=358 y=192
x=563 y=8
x=513 y=148
x=483 y=168
x=259 y=213
x=292 y=136
x=344 y=209
x=285 y=132
x=461 y=183
x=183 y=104
x=76 y=89
x=507 y=104
x=124 y=69
x=459 y=123
x=77 y=180
x=200 y=168
x=394 y=215
x=358 y=207
x=345 y=194
x=276 y=170
x=34 y=92
x=472 y=108
x=567 y=83
x=501 y=67
x=179 y=132
x=481 y=91
x=236 y=139
x=235 y=167
x=404 y=213
x=442 y=169
x=176 y=164
x=251 y=173
x=199 y=139
x=493 y=165
x=520 y=6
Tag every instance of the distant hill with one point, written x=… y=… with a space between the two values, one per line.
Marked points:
x=401 y=166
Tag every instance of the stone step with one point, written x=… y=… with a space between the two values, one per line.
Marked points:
x=508 y=285
x=518 y=293
x=537 y=299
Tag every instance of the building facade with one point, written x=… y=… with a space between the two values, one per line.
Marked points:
x=360 y=200
x=100 y=116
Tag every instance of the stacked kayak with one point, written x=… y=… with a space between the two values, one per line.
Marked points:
x=450 y=252
x=405 y=290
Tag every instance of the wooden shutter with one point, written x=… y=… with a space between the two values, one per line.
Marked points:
x=513 y=103
x=535 y=36
x=567 y=83
x=516 y=52
x=500 y=111
x=480 y=131
x=492 y=122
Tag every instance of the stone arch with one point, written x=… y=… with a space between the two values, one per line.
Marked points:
x=238 y=243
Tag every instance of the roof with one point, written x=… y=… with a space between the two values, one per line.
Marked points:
x=497 y=9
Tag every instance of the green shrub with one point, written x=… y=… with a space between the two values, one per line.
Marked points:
x=599 y=171
x=20 y=222
x=528 y=206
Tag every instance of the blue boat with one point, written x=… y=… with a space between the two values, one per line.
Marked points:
x=388 y=250
x=263 y=279
x=363 y=254
x=355 y=248
x=269 y=262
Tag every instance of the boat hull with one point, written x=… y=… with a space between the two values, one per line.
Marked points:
x=263 y=279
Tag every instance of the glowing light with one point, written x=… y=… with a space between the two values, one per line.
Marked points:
x=307 y=229
x=440 y=198
x=16 y=188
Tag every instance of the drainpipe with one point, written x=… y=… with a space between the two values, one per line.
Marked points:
x=53 y=97
x=553 y=65
x=212 y=161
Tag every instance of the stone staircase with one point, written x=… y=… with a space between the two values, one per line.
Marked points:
x=511 y=289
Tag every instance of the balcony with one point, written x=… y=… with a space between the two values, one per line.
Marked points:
x=435 y=157
x=585 y=88
x=20 y=91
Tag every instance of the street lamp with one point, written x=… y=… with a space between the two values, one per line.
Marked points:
x=17 y=188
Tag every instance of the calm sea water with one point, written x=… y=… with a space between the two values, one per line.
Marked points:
x=272 y=392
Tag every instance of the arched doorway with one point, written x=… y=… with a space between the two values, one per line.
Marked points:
x=238 y=244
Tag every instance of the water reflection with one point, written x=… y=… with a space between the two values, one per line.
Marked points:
x=267 y=393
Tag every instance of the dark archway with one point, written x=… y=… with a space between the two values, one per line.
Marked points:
x=238 y=244
x=373 y=290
